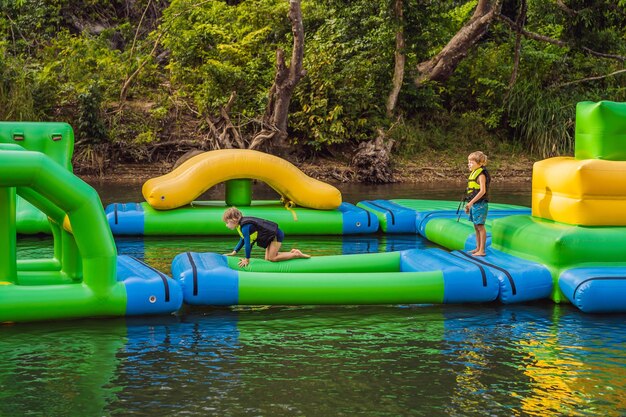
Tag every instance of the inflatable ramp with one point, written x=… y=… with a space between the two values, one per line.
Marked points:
x=191 y=179
x=600 y=289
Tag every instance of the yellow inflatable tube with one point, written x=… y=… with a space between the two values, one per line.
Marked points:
x=187 y=182
x=587 y=192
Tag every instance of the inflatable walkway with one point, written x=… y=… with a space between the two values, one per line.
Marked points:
x=412 y=216
x=431 y=276
x=205 y=219
x=383 y=278
x=85 y=277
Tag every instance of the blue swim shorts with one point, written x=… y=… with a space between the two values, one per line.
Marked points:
x=478 y=212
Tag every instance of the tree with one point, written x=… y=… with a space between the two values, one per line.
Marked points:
x=399 y=58
x=441 y=66
x=285 y=81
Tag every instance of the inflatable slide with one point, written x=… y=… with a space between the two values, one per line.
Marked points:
x=305 y=206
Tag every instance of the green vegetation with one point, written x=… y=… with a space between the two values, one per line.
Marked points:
x=150 y=79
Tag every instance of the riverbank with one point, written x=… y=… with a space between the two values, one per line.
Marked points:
x=427 y=169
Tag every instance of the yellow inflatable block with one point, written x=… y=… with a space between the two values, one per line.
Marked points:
x=589 y=192
x=191 y=179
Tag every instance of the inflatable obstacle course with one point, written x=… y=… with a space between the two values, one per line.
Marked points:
x=566 y=249
x=578 y=218
x=51 y=138
x=571 y=246
x=84 y=277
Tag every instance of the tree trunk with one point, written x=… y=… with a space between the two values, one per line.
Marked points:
x=442 y=66
x=371 y=161
x=398 y=71
x=274 y=130
x=520 y=22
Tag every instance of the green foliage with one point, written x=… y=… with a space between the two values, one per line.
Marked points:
x=217 y=49
x=544 y=122
x=75 y=63
x=181 y=60
x=90 y=126
x=445 y=132
x=343 y=96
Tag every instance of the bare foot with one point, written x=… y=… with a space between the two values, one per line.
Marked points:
x=478 y=254
x=299 y=253
x=472 y=251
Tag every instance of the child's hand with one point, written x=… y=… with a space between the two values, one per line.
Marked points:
x=243 y=262
x=231 y=253
x=468 y=208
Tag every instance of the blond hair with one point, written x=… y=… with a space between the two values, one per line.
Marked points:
x=479 y=157
x=232 y=213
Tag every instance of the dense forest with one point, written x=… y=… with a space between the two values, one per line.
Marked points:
x=365 y=80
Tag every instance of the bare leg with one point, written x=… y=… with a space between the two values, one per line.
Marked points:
x=473 y=251
x=299 y=254
x=272 y=253
x=481 y=240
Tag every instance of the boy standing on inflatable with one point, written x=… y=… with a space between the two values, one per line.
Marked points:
x=478 y=198
x=264 y=233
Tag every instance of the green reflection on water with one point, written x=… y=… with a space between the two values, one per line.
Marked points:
x=59 y=369
x=527 y=360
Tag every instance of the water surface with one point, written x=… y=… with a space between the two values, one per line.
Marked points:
x=538 y=359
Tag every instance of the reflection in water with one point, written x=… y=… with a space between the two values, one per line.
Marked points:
x=59 y=369
x=575 y=368
x=531 y=360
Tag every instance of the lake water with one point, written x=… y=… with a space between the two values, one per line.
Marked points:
x=538 y=359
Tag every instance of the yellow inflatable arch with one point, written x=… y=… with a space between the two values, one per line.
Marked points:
x=187 y=182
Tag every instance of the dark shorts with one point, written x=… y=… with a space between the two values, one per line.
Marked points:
x=280 y=235
x=478 y=212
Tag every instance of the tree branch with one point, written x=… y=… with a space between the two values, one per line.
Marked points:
x=568 y=11
x=442 y=66
x=599 y=77
x=547 y=39
x=132 y=76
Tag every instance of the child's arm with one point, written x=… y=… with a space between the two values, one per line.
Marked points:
x=245 y=231
x=237 y=248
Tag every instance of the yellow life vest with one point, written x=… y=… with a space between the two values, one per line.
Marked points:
x=473 y=186
x=252 y=235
